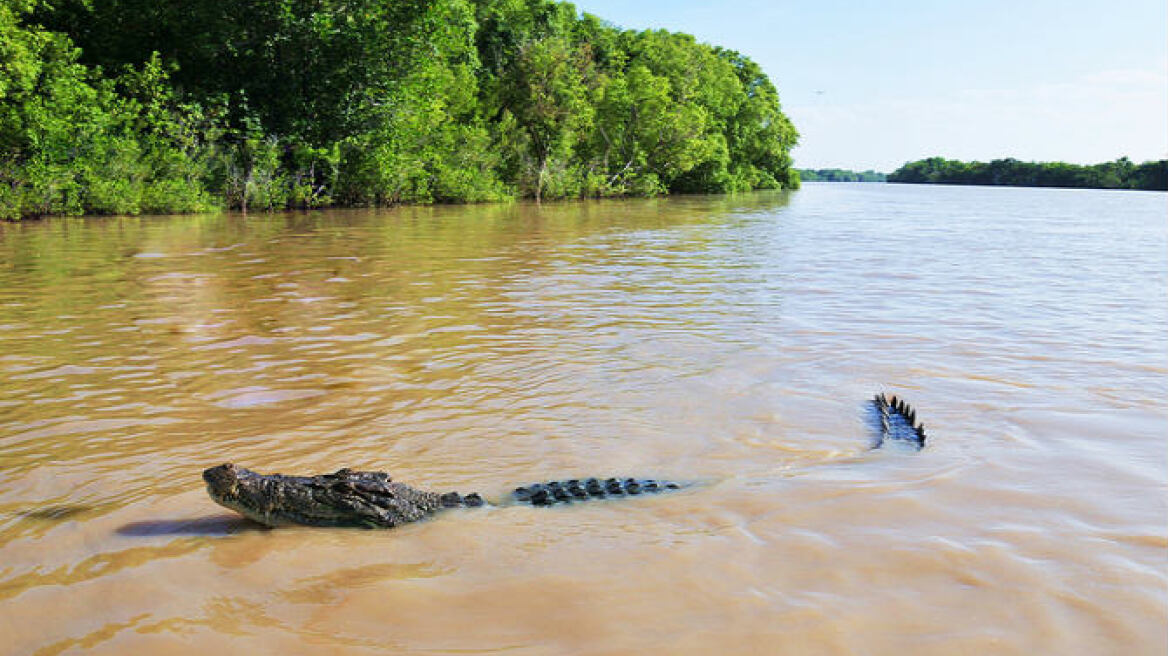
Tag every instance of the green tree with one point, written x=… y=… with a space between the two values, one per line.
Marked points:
x=267 y=104
x=549 y=99
x=73 y=142
x=1120 y=174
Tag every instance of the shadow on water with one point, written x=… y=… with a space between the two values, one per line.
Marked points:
x=206 y=526
x=213 y=525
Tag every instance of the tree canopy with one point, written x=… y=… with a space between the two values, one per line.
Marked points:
x=1120 y=174
x=139 y=106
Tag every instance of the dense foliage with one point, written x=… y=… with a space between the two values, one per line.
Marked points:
x=840 y=175
x=1120 y=174
x=127 y=106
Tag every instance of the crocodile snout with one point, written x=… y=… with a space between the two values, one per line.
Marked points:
x=222 y=477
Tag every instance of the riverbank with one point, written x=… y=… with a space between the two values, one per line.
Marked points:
x=335 y=104
x=1120 y=174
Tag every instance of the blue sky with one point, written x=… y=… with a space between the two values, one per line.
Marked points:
x=876 y=84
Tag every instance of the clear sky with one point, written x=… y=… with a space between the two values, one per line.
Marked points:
x=875 y=84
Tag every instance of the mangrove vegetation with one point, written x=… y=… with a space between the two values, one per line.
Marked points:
x=139 y=106
x=1120 y=174
x=840 y=175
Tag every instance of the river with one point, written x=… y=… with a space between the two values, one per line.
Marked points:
x=730 y=342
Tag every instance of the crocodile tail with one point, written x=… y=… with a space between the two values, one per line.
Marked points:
x=576 y=489
x=456 y=500
x=898 y=421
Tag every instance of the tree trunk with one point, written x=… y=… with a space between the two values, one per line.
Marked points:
x=539 y=180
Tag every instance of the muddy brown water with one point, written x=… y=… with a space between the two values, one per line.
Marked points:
x=726 y=341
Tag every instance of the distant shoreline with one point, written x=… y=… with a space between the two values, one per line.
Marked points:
x=1120 y=174
x=839 y=175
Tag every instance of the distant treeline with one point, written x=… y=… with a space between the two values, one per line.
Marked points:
x=840 y=175
x=130 y=106
x=1120 y=174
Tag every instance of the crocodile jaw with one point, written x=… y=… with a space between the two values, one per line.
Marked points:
x=224 y=488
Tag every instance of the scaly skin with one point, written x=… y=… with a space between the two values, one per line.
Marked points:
x=898 y=421
x=373 y=500
x=344 y=498
x=553 y=492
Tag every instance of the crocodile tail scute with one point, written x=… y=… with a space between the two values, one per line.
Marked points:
x=456 y=500
x=898 y=421
x=577 y=489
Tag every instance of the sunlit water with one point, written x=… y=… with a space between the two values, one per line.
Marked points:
x=726 y=341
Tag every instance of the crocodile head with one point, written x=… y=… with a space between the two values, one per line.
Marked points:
x=344 y=498
x=241 y=490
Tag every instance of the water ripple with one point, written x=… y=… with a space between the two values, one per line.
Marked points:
x=726 y=341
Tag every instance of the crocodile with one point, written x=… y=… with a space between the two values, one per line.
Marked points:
x=371 y=499
x=364 y=499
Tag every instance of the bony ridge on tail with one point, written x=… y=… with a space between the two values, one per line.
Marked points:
x=374 y=500
x=898 y=421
